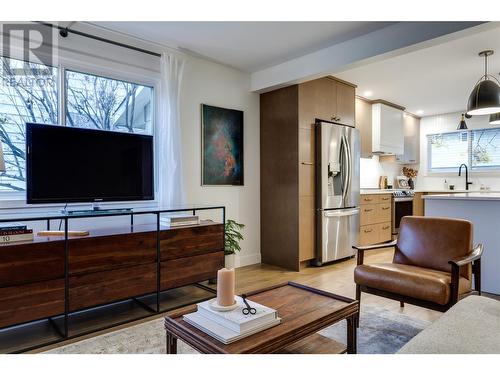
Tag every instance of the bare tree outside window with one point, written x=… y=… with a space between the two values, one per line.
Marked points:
x=28 y=97
x=107 y=104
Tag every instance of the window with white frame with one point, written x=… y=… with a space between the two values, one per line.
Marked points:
x=108 y=104
x=21 y=101
x=89 y=101
x=479 y=149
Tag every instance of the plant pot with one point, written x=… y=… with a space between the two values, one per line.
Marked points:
x=229 y=261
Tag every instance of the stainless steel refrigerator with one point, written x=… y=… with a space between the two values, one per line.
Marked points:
x=337 y=191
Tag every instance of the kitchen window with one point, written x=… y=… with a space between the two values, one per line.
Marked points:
x=479 y=149
x=89 y=101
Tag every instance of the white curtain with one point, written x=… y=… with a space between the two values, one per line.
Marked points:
x=169 y=131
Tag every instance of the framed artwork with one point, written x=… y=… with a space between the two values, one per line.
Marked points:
x=222 y=146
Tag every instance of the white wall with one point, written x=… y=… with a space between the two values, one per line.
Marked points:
x=210 y=83
x=203 y=82
x=446 y=123
x=372 y=168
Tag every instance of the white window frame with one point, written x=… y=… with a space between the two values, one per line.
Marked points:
x=14 y=199
x=452 y=171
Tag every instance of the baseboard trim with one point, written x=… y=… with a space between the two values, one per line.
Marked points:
x=247 y=260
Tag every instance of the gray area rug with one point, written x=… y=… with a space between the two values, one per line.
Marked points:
x=381 y=331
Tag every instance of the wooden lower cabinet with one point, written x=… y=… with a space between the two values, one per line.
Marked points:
x=368 y=234
x=109 y=286
x=375 y=219
x=189 y=270
x=106 y=267
x=24 y=303
x=418 y=204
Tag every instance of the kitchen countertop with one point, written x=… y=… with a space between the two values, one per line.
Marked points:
x=477 y=196
x=453 y=191
x=378 y=191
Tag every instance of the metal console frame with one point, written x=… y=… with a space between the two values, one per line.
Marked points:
x=66 y=218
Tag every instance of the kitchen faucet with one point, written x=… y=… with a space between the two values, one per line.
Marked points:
x=467 y=183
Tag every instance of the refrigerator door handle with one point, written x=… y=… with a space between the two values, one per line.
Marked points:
x=346 y=169
x=340 y=213
x=349 y=163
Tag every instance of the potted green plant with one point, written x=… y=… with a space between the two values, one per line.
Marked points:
x=232 y=240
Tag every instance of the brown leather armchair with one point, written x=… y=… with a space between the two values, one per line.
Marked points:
x=432 y=267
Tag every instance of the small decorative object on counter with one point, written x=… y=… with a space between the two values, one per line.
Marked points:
x=382 y=182
x=225 y=287
x=452 y=187
x=446 y=186
x=410 y=173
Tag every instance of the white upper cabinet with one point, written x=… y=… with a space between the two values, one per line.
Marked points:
x=411 y=131
x=387 y=130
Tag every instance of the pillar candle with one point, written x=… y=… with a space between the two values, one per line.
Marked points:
x=225 y=287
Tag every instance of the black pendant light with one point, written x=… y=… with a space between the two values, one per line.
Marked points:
x=462 y=125
x=495 y=119
x=485 y=97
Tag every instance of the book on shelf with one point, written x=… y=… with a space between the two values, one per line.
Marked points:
x=12 y=226
x=235 y=319
x=177 y=221
x=6 y=238
x=12 y=232
x=230 y=326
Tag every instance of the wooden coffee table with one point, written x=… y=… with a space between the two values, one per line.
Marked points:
x=304 y=311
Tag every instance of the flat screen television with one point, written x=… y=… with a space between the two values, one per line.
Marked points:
x=66 y=164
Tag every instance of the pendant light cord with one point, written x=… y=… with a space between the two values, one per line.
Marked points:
x=486 y=66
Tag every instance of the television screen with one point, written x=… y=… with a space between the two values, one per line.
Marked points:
x=66 y=164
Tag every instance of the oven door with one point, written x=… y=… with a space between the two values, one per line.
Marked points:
x=400 y=207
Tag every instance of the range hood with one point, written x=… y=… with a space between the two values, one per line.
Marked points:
x=387 y=130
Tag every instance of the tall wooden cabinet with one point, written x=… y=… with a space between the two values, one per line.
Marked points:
x=287 y=164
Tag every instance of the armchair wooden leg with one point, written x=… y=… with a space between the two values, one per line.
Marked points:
x=401 y=304
x=358 y=298
x=476 y=268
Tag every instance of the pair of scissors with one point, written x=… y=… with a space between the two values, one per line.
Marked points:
x=249 y=309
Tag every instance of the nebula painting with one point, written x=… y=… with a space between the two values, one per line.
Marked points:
x=222 y=146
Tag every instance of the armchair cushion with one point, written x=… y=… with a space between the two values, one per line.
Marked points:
x=412 y=281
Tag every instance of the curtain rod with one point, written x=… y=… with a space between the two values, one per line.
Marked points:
x=63 y=31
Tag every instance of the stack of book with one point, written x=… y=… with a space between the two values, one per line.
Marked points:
x=230 y=326
x=15 y=232
x=177 y=221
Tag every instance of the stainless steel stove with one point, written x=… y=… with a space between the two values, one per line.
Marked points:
x=402 y=205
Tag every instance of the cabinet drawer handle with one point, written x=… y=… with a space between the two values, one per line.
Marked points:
x=368 y=230
x=306 y=163
x=368 y=209
x=385 y=208
x=385 y=228
x=386 y=199
x=367 y=200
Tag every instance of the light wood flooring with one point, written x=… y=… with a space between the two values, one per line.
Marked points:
x=336 y=278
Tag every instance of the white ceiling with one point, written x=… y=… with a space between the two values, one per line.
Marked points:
x=436 y=80
x=247 y=46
